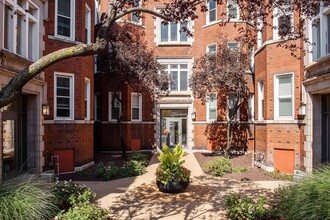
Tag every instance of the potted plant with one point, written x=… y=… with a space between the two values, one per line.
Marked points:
x=171 y=176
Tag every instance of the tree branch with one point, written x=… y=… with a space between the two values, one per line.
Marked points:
x=14 y=88
x=139 y=9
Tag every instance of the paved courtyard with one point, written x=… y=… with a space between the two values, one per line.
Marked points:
x=139 y=198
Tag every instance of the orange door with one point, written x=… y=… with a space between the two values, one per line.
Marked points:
x=66 y=160
x=284 y=160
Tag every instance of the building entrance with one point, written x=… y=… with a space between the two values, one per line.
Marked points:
x=174 y=127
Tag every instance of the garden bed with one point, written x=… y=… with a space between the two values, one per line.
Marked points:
x=90 y=174
x=240 y=161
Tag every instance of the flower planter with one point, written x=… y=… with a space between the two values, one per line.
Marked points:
x=172 y=187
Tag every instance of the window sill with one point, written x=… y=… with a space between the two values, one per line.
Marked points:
x=64 y=39
x=174 y=44
x=222 y=21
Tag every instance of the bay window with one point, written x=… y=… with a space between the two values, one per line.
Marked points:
x=64 y=96
x=64 y=18
x=283 y=96
x=211 y=107
x=136 y=104
x=233 y=9
x=283 y=20
x=212 y=11
x=115 y=109
x=261 y=102
x=20 y=29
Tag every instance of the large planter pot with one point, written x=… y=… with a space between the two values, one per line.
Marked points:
x=172 y=187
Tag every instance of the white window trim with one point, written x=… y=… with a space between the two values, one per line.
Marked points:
x=208 y=13
x=178 y=42
x=88 y=110
x=237 y=113
x=110 y=106
x=276 y=15
x=238 y=13
x=28 y=17
x=276 y=103
x=208 y=47
x=71 y=76
x=208 y=109
x=236 y=42
x=251 y=99
x=72 y=25
x=89 y=23
x=260 y=111
x=140 y=106
x=139 y=22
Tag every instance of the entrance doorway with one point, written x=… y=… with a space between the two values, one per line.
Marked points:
x=325 y=155
x=14 y=138
x=174 y=127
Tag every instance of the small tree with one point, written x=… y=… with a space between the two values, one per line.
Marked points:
x=130 y=62
x=224 y=73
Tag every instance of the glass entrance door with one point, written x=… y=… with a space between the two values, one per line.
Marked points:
x=174 y=127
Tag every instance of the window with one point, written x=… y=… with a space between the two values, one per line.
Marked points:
x=136 y=107
x=261 y=100
x=97 y=107
x=251 y=107
x=211 y=49
x=21 y=28
x=211 y=108
x=87 y=99
x=283 y=96
x=283 y=20
x=260 y=25
x=64 y=96
x=64 y=21
x=231 y=105
x=136 y=16
x=88 y=18
x=212 y=11
x=251 y=57
x=316 y=35
x=115 y=109
x=171 y=32
x=179 y=76
x=233 y=9
x=233 y=45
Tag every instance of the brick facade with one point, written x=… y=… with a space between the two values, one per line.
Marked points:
x=76 y=133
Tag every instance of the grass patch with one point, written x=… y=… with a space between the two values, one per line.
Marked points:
x=280 y=176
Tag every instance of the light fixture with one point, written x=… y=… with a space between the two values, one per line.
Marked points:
x=302 y=109
x=154 y=115
x=193 y=115
x=45 y=109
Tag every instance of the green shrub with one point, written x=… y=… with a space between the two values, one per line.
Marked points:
x=218 y=167
x=64 y=190
x=132 y=168
x=247 y=208
x=308 y=199
x=83 y=209
x=140 y=157
x=107 y=172
x=29 y=199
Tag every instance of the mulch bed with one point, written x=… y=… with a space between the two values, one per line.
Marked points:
x=253 y=173
x=89 y=174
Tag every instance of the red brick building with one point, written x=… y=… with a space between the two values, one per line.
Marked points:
x=179 y=113
x=70 y=86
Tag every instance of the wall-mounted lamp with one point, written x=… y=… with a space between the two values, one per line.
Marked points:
x=154 y=115
x=302 y=109
x=45 y=109
x=193 y=115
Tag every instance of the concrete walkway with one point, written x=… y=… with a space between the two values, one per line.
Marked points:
x=139 y=198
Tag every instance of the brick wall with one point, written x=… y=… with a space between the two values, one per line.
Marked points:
x=77 y=133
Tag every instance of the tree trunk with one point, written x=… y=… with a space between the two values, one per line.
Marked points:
x=122 y=139
x=229 y=139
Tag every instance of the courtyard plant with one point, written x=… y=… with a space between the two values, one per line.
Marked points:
x=220 y=166
x=308 y=199
x=27 y=199
x=242 y=207
x=171 y=176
